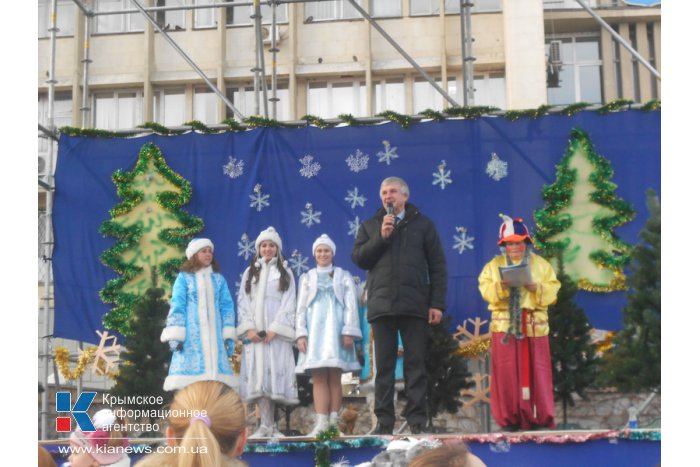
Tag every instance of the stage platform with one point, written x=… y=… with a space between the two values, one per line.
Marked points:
x=639 y=448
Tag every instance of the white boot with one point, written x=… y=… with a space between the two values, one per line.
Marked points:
x=321 y=423
x=262 y=432
x=333 y=420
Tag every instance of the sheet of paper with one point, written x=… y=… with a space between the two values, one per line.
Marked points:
x=516 y=275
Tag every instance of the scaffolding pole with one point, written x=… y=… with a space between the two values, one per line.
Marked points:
x=403 y=53
x=47 y=226
x=465 y=16
x=189 y=61
x=260 y=79
x=619 y=39
x=85 y=108
x=273 y=32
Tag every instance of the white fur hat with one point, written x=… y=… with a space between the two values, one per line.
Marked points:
x=323 y=240
x=197 y=244
x=269 y=234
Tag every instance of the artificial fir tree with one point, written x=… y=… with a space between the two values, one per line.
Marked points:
x=634 y=362
x=152 y=231
x=574 y=359
x=144 y=365
x=577 y=224
x=448 y=373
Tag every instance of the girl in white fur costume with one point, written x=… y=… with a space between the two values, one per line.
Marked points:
x=327 y=325
x=266 y=302
x=201 y=324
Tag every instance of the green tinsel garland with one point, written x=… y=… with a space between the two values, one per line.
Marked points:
x=323 y=449
x=575 y=108
x=433 y=115
x=404 y=121
x=257 y=121
x=513 y=115
x=651 y=106
x=233 y=124
x=617 y=104
x=160 y=129
x=352 y=121
x=129 y=237
x=201 y=127
x=317 y=121
x=89 y=132
x=470 y=112
x=550 y=221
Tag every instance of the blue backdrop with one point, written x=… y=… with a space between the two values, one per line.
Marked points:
x=315 y=180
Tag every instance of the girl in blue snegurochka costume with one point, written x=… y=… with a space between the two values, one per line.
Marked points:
x=201 y=323
x=327 y=325
x=266 y=302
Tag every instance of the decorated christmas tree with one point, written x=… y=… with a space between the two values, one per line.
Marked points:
x=577 y=224
x=574 y=359
x=448 y=373
x=152 y=231
x=634 y=362
x=144 y=365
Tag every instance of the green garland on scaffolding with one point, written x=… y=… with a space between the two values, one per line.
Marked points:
x=551 y=222
x=469 y=113
x=128 y=237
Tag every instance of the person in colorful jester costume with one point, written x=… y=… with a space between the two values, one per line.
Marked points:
x=521 y=372
x=201 y=325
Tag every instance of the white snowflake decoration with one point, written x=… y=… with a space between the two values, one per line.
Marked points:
x=246 y=247
x=442 y=177
x=354 y=226
x=298 y=263
x=388 y=153
x=357 y=162
x=310 y=217
x=309 y=168
x=496 y=168
x=355 y=198
x=234 y=167
x=259 y=200
x=462 y=241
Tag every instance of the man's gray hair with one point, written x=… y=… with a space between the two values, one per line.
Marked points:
x=403 y=186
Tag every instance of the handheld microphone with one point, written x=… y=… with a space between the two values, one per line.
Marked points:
x=390 y=210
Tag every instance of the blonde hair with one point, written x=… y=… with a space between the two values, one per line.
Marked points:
x=447 y=455
x=224 y=408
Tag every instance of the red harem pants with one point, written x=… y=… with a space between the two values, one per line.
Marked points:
x=508 y=377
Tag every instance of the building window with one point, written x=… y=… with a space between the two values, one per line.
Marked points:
x=330 y=10
x=205 y=17
x=62 y=114
x=204 y=106
x=389 y=94
x=65 y=17
x=432 y=7
x=330 y=99
x=243 y=98
x=580 y=76
x=652 y=60
x=426 y=97
x=169 y=106
x=241 y=15
x=490 y=90
x=567 y=4
x=117 y=109
x=386 y=8
x=171 y=20
x=117 y=22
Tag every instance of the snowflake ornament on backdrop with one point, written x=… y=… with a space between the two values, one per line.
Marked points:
x=246 y=247
x=355 y=198
x=354 y=226
x=388 y=153
x=462 y=241
x=258 y=199
x=234 y=167
x=357 y=162
x=297 y=262
x=310 y=217
x=496 y=168
x=442 y=176
x=309 y=168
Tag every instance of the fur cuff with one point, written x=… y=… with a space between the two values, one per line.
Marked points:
x=351 y=331
x=229 y=332
x=283 y=331
x=173 y=333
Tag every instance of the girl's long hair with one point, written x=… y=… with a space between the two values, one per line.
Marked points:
x=254 y=273
x=202 y=445
x=193 y=265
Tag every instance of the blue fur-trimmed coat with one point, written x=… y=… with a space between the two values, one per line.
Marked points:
x=202 y=330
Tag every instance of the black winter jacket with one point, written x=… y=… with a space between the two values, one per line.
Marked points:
x=407 y=273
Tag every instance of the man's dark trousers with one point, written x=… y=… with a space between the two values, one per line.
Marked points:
x=414 y=334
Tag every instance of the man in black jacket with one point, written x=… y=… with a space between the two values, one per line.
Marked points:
x=406 y=288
